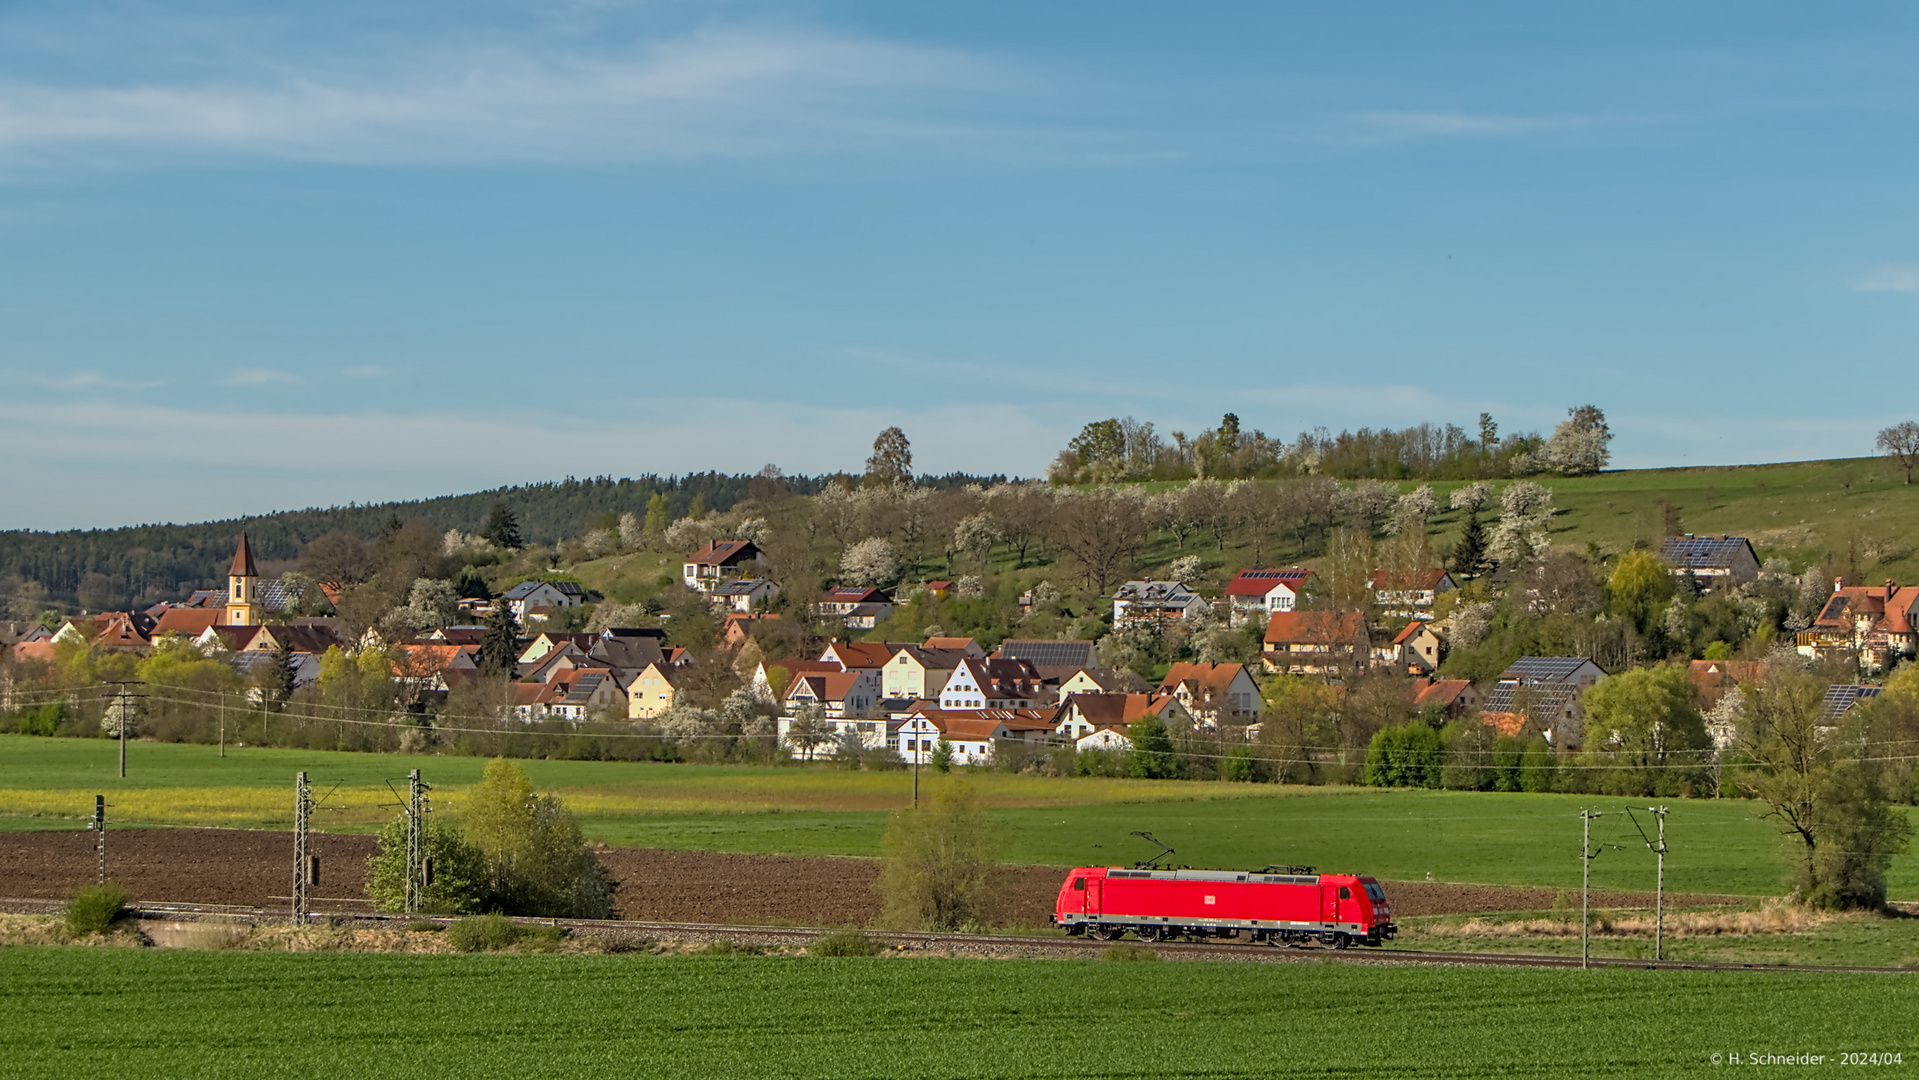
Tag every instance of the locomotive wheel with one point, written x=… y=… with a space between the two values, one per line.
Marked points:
x=1105 y=932
x=1151 y=933
x=1340 y=941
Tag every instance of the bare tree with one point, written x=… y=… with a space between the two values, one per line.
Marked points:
x=1025 y=515
x=1900 y=442
x=1103 y=530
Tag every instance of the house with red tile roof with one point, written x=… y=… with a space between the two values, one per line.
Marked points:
x=1083 y=714
x=1256 y=594
x=1414 y=650
x=1409 y=594
x=1457 y=696
x=1213 y=692
x=1874 y=622
x=838 y=695
x=1330 y=643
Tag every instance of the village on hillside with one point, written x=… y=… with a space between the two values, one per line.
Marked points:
x=950 y=700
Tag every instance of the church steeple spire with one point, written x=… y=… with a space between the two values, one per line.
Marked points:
x=243 y=588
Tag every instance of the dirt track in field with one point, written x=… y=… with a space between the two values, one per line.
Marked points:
x=238 y=866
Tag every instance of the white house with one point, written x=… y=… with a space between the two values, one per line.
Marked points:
x=532 y=599
x=1154 y=602
x=717 y=562
x=1256 y=594
x=992 y=684
x=1105 y=738
x=744 y=595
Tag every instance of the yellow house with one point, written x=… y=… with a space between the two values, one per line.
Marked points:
x=1088 y=681
x=917 y=672
x=651 y=692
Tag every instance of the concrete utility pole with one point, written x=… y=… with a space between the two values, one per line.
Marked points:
x=1586 y=856
x=302 y=868
x=123 y=714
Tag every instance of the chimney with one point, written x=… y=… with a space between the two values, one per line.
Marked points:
x=1838 y=583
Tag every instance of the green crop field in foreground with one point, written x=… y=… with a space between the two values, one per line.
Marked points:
x=126 y=1012
x=1718 y=846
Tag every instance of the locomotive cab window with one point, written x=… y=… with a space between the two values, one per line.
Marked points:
x=1345 y=893
x=1079 y=884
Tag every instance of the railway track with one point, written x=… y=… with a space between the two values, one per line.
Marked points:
x=617 y=930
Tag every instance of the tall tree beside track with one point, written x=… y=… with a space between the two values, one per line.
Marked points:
x=938 y=862
x=1823 y=791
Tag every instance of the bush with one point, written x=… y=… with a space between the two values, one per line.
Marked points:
x=1127 y=953
x=483 y=933
x=935 y=875
x=1409 y=755
x=843 y=943
x=44 y=720
x=536 y=857
x=459 y=871
x=93 y=909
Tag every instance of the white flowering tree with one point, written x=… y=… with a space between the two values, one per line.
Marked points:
x=1580 y=445
x=976 y=535
x=1473 y=497
x=872 y=563
x=1525 y=514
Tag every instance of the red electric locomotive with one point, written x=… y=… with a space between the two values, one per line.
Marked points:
x=1279 y=905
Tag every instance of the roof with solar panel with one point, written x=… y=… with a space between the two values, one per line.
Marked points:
x=1050 y=654
x=1706 y=552
x=1839 y=701
x=1544 y=669
x=1261 y=582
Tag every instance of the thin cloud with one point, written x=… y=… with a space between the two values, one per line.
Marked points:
x=364 y=372
x=261 y=377
x=84 y=380
x=720 y=93
x=1397 y=126
x=1892 y=278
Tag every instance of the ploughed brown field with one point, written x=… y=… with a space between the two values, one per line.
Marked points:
x=251 y=868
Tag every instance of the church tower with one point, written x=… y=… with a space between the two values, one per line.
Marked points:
x=243 y=588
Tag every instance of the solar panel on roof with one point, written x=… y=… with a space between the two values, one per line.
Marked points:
x=1545 y=668
x=1049 y=653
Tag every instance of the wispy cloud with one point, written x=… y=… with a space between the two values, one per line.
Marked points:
x=713 y=93
x=1397 y=126
x=363 y=372
x=78 y=381
x=261 y=377
x=1892 y=277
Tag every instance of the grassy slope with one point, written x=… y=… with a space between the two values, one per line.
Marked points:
x=1848 y=509
x=123 y=1012
x=1719 y=846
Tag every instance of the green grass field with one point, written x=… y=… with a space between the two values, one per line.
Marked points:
x=1719 y=846
x=144 y=1012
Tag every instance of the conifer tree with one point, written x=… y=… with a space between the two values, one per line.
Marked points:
x=1469 y=557
x=502 y=527
x=499 y=646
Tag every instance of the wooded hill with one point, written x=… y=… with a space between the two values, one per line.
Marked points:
x=139 y=565
x=1854 y=515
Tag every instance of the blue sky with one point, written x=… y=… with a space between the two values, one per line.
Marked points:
x=256 y=257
